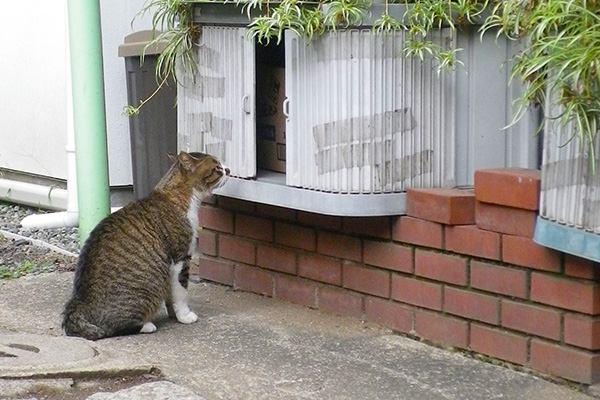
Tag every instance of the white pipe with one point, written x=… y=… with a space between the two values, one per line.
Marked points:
x=33 y=195
x=71 y=216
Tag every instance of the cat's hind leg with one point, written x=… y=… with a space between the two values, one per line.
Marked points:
x=179 y=293
x=148 y=327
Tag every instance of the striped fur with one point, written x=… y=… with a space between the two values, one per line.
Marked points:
x=123 y=271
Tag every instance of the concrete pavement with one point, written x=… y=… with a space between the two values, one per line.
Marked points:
x=246 y=346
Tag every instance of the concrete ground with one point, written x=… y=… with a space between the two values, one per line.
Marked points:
x=244 y=346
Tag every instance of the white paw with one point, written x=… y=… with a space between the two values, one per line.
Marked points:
x=187 y=318
x=148 y=327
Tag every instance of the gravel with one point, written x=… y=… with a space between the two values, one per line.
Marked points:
x=10 y=221
x=19 y=257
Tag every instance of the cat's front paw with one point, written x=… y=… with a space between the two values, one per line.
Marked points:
x=188 y=318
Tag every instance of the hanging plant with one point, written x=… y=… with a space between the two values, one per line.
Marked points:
x=561 y=59
x=561 y=52
x=173 y=23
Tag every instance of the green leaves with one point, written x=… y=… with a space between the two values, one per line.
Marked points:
x=346 y=13
x=172 y=23
x=287 y=15
x=560 y=57
x=307 y=19
x=386 y=24
x=560 y=62
x=17 y=272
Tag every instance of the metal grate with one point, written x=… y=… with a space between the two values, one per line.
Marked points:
x=365 y=119
x=216 y=107
x=570 y=193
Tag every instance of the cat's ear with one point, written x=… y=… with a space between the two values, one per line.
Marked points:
x=186 y=161
x=172 y=158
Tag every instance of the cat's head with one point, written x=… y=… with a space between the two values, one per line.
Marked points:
x=203 y=171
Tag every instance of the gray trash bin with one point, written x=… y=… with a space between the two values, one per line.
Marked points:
x=153 y=132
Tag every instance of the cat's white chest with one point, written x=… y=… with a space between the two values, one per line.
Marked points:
x=194 y=219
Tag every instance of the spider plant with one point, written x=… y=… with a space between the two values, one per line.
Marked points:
x=172 y=22
x=560 y=64
x=561 y=53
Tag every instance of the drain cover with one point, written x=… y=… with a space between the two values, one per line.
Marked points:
x=23 y=352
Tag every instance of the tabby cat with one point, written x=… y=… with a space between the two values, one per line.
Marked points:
x=138 y=257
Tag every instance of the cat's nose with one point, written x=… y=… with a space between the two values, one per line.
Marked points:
x=227 y=171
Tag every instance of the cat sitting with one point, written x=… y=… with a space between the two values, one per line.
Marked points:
x=138 y=257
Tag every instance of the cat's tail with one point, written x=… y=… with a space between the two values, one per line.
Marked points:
x=75 y=323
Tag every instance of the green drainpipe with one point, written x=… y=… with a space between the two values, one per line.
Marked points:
x=89 y=116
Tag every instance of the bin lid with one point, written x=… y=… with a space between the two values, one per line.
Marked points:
x=134 y=44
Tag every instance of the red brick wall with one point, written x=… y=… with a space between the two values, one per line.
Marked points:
x=461 y=269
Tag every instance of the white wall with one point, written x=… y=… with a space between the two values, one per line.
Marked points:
x=32 y=87
x=33 y=94
x=116 y=24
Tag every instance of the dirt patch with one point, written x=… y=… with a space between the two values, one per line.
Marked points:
x=77 y=389
x=20 y=257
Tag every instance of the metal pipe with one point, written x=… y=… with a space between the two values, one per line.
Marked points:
x=89 y=113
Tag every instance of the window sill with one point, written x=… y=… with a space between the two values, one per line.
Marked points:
x=270 y=188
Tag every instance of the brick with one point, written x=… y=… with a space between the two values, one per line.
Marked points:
x=564 y=293
x=566 y=362
x=441 y=267
x=340 y=302
x=419 y=232
x=446 y=206
x=366 y=280
x=236 y=205
x=215 y=271
x=320 y=268
x=539 y=321
x=470 y=240
x=276 y=259
x=194 y=269
x=582 y=331
x=471 y=305
x=442 y=329
x=379 y=227
x=295 y=236
x=388 y=255
x=338 y=245
x=417 y=292
x=499 y=279
x=215 y=218
x=581 y=268
x=390 y=314
x=278 y=213
x=236 y=249
x=499 y=344
x=254 y=227
x=296 y=291
x=329 y=222
x=252 y=279
x=207 y=242
x=502 y=219
x=513 y=187
x=526 y=253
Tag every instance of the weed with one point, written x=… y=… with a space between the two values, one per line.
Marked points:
x=18 y=272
